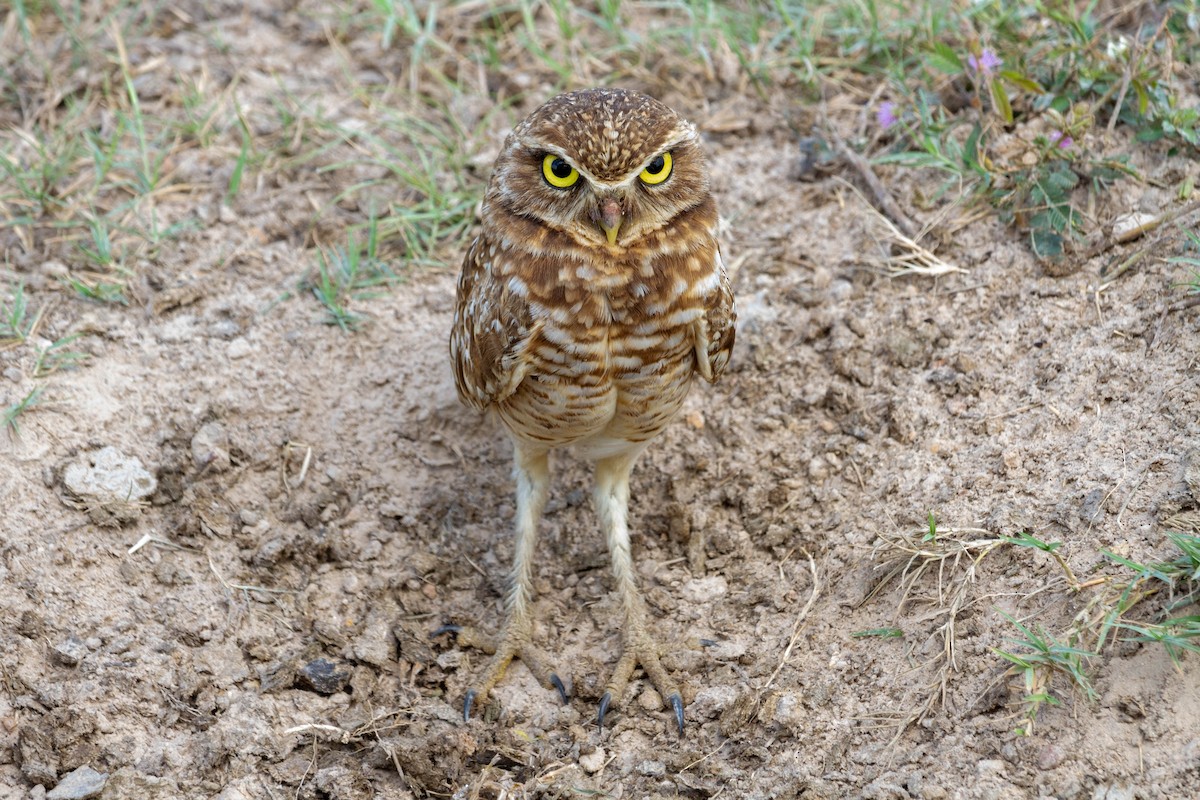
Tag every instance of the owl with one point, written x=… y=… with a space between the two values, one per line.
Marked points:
x=592 y=296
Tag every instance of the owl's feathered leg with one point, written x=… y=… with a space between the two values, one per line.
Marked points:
x=639 y=647
x=532 y=468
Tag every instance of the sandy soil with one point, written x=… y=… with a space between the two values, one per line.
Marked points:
x=323 y=495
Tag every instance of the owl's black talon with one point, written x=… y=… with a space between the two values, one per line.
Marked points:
x=445 y=629
x=468 y=700
x=604 y=701
x=677 y=704
x=558 y=684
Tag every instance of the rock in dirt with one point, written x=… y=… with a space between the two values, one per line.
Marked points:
x=711 y=701
x=324 y=676
x=1191 y=472
x=39 y=761
x=376 y=645
x=109 y=485
x=83 y=783
x=1092 y=509
x=342 y=783
x=127 y=782
x=210 y=448
x=70 y=651
x=592 y=762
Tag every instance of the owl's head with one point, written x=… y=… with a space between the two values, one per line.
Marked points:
x=604 y=166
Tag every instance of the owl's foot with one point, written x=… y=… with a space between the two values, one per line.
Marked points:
x=513 y=643
x=641 y=649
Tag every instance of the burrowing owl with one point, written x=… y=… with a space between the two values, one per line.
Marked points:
x=593 y=293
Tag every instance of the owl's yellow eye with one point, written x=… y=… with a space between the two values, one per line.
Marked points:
x=558 y=173
x=657 y=171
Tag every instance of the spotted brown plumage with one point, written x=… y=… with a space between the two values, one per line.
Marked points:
x=593 y=294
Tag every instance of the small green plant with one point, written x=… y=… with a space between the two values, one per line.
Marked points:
x=239 y=167
x=931 y=534
x=101 y=252
x=882 y=633
x=1175 y=635
x=1192 y=261
x=1185 y=568
x=13 y=412
x=351 y=272
x=1026 y=539
x=15 y=325
x=100 y=290
x=329 y=288
x=55 y=356
x=1042 y=654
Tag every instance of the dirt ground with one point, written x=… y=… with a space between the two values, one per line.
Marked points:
x=322 y=494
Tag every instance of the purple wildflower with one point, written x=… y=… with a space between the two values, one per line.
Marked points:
x=885 y=115
x=1063 y=141
x=986 y=62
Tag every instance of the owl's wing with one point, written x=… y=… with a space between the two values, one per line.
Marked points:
x=716 y=330
x=492 y=329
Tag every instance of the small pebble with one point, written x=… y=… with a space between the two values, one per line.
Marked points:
x=78 y=785
x=1092 y=508
x=324 y=676
x=239 y=348
x=711 y=701
x=652 y=769
x=650 y=699
x=70 y=651
x=210 y=448
x=1051 y=756
x=593 y=761
x=55 y=269
x=705 y=590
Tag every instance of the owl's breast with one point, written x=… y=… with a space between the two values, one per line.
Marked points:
x=599 y=376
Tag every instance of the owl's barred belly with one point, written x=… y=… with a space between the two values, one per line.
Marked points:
x=601 y=395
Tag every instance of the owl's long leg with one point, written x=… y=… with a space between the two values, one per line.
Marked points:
x=532 y=470
x=612 y=506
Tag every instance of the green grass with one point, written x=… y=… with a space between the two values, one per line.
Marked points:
x=21 y=343
x=880 y=633
x=55 y=356
x=1041 y=655
x=16 y=326
x=1106 y=615
x=1009 y=101
x=1039 y=84
x=10 y=418
x=1191 y=260
x=349 y=273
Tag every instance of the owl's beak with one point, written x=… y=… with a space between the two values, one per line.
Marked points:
x=611 y=218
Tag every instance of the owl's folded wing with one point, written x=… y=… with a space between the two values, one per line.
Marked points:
x=492 y=328
x=716 y=329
